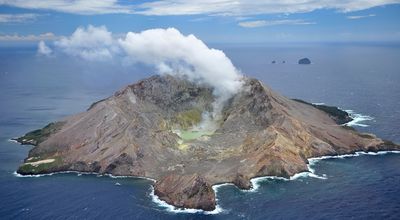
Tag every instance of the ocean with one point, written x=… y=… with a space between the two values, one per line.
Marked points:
x=361 y=78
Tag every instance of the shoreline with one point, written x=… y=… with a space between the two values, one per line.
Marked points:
x=170 y=208
x=255 y=181
x=78 y=173
x=311 y=171
x=12 y=140
x=357 y=118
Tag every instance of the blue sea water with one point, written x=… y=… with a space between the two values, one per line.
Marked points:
x=364 y=78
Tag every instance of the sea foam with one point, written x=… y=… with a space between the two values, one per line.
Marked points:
x=154 y=197
x=82 y=173
x=311 y=171
x=13 y=141
x=256 y=182
x=173 y=209
x=357 y=119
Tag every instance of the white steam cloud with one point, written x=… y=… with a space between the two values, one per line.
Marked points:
x=168 y=50
x=177 y=54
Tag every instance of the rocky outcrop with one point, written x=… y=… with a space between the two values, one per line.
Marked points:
x=339 y=116
x=305 y=61
x=242 y=182
x=186 y=191
x=145 y=130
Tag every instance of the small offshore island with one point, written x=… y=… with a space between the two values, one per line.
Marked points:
x=304 y=61
x=155 y=128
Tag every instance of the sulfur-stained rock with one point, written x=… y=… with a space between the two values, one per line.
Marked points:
x=152 y=129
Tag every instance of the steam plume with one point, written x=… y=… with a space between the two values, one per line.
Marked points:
x=173 y=53
x=168 y=50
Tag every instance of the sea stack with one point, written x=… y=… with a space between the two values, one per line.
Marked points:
x=305 y=61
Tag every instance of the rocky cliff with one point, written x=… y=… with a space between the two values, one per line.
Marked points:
x=153 y=128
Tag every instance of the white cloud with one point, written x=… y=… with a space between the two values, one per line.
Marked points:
x=193 y=7
x=18 y=18
x=201 y=19
x=168 y=50
x=353 y=17
x=91 y=43
x=31 y=37
x=86 y=7
x=242 y=18
x=262 y=23
x=174 y=53
x=43 y=49
x=252 y=24
x=249 y=7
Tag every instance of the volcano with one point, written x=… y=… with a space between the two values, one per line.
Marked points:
x=165 y=128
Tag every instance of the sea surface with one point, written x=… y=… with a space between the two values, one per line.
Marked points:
x=364 y=78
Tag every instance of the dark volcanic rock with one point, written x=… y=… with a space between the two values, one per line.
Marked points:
x=134 y=133
x=304 y=61
x=339 y=116
x=187 y=191
x=242 y=182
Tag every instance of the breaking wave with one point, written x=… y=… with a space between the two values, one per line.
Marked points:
x=80 y=174
x=256 y=182
x=171 y=208
x=13 y=141
x=311 y=171
x=357 y=119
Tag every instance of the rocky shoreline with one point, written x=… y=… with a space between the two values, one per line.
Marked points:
x=131 y=133
x=253 y=180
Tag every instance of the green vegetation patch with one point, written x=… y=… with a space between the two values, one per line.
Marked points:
x=340 y=116
x=332 y=110
x=29 y=168
x=38 y=136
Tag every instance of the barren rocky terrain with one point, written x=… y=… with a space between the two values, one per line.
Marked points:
x=153 y=128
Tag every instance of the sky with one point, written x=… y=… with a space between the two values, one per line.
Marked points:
x=212 y=21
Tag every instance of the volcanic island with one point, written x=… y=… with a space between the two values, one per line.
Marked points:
x=165 y=128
